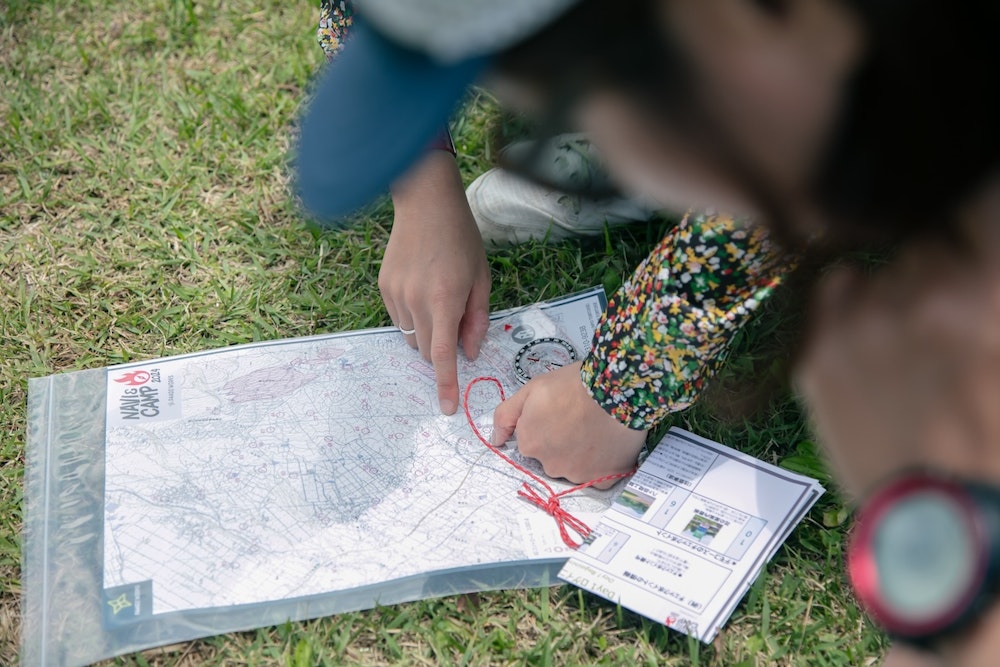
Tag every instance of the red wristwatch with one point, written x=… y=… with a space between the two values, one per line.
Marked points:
x=924 y=555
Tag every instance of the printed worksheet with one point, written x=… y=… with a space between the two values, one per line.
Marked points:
x=690 y=532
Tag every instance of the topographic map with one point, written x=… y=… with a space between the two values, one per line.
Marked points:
x=295 y=468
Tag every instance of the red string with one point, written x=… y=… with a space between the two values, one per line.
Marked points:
x=551 y=505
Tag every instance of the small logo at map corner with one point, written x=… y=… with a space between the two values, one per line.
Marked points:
x=119 y=604
x=127 y=603
x=135 y=378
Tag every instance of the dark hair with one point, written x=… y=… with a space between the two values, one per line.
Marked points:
x=919 y=131
x=596 y=45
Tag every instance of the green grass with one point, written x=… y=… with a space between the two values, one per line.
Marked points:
x=144 y=211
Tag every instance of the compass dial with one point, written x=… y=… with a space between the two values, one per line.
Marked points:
x=541 y=356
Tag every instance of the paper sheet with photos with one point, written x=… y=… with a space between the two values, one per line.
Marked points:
x=691 y=532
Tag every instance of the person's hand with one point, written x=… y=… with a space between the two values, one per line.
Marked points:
x=434 y=277
x=902 y=369
x=559 y=424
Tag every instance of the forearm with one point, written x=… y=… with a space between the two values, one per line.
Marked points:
x=431 y=183
x=668 y=329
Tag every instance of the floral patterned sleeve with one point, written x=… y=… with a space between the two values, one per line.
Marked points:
x=335 y=19
x=667 y=329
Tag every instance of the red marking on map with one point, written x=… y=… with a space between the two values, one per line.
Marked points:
x=266 y=384
x=508 y=327
x=423 y=369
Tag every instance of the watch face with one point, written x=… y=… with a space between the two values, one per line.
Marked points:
x=541 y=356
x=917 y=558
x=926 y=555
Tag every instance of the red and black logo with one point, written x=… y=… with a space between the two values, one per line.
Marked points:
x=141 y=399
x=135 y=378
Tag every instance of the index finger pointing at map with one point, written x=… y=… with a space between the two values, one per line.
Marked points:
x=443 y=353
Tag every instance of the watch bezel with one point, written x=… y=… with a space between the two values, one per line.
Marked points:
x=863 y=569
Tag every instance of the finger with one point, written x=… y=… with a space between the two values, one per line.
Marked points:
x=506 y=416
x=423 y=329
x=400 y=318
x=476 y=321
x=444 y=357
x=409 y=327
x=390 y=307
x=395 y=307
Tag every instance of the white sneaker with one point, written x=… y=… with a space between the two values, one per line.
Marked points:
x=510 y=209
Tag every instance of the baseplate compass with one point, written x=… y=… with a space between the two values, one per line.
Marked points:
x=541 y=356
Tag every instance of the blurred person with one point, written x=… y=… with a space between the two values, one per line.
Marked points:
x=901 y=374
x=837 y=124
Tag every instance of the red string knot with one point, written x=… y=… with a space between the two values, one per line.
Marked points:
x=554 y=508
